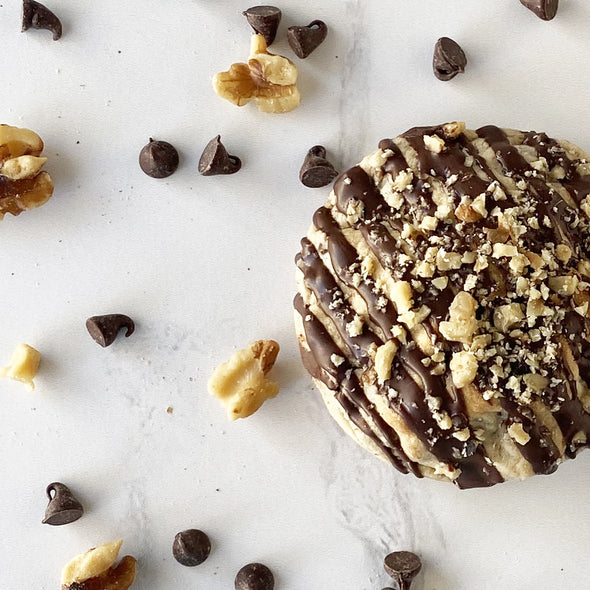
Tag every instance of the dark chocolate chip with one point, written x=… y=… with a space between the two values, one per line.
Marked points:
x=544 y=9
x=254 y=576
x=448 y=60
x=37 y=16
x=63 y=507
x=264 y=20
x=402 y=566
x=104 y=328
x=191 y=547
x=303 y=40
x=316 y=171
x=216 y=160
x=158 y=159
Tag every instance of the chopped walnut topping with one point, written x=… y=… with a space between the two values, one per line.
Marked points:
x=463 y=367
x=462 y=323
x=383 y=359
x=517 y=432
x=434 y=143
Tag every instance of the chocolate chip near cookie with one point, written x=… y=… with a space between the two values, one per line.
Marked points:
x=305 y=40
x=158 y=159
x=38 y=16
x=544 y=9
x=443 y=306
x=254 y=576
x=448 y=59
x=191 y=547
x=104 y=328
x=264 y=20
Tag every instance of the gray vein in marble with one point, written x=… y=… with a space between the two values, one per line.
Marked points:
x=354 y=103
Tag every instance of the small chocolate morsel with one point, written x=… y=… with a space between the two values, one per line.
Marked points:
x=264 y=20
x=216 y=160
x=254 y=576
x=544 y=9
x=104 y=328
x=191 y=547
x=448 y=60
x=402 y=566
x=303 y=40
x=37 y=16
x=63 y=507
x=158 y=159
x=316 y=171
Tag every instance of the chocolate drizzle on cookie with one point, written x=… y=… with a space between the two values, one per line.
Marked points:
x=444 y=302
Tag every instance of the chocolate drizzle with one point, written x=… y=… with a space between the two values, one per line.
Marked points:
x=348 y=311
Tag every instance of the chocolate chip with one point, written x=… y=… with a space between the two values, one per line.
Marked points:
x=264 y=20
x=63 y=507
x=402 y=566
x=544 y=9
x=216 y=160
x=316 y=171
x=158 y=159
x=254 y=576
x=37 y=16
x=191 y=547
x=104 y=328
x=448 y=60
x=303 y=40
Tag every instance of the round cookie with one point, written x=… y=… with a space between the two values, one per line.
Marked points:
x=443 y=306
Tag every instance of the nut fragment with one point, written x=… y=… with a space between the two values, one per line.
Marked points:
x=23 y=185
x=241 y=382
x=463 y=367
x=94 y=570
x=23 y=365
x=462 y=321
x=268 y=79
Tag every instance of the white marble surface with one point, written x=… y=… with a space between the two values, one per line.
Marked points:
x=204 y=266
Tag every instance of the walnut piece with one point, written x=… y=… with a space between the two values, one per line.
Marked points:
x=463 y=367
x=462 y=321
x=268 y=79
x=383 y=358
x=23 y=185
x=23 y=366
x=96 y=570
x=241 y=382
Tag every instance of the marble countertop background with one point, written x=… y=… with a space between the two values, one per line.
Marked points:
x=205 y=266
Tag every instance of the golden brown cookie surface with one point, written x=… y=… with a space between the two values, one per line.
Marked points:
x=444 y=302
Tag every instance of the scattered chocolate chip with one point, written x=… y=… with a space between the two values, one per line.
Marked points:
x=216 y=160
x=303 y=40
x=264 y=20
x=544 y=9
x=63 y=507
x=254 y=576
x=37 y=16
x=158 y=159
x=104 y=328
x=316 y=171
x=448 y=60
x=402 y=566
x=191 y=547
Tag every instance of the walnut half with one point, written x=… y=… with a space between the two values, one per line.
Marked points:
x=96 y=570
x=23 y=185
x=241 y=382
x=268 y=79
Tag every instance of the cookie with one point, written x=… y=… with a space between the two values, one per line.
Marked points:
x=443 y=305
